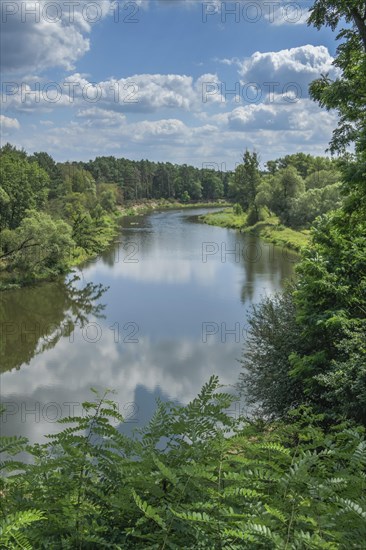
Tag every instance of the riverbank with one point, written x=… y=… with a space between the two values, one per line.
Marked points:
x=107 y=233
x=145 y=206
x=15 y=277
x=270 y=230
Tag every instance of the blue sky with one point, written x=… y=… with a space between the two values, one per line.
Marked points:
x=169 y=80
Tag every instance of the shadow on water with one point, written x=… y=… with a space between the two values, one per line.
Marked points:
x=34 y=319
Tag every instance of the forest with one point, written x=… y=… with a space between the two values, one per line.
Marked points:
x=293 y=474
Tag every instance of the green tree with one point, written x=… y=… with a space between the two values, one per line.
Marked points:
x=287 y=185
x=23 y=184
x=212 y=186
x=246 y=182
x=272 y=336
x=313 y=203
x=346 y=94
x=108 y=197
x=322 y=178
x=39 y=247
x=47 y=163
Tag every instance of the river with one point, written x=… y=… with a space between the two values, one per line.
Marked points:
x=154 y=316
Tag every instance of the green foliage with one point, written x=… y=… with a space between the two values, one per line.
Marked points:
x=225 y=218
x=185 y=197
x=346 y=94
x=272 y=336
x=237 y=209
x=23 y=186
x=12 y=527
x=309 y=347
x=39 y=246
x=304 y=209
x=326 y=361
x=108 y=197
x=252 y=216
x=51 y=216
x=246 y=180
x=287 y=185
x=194 y=478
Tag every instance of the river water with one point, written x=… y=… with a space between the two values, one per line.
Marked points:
x=154 y=316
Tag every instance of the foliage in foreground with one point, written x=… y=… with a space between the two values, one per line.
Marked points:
x=194 y=478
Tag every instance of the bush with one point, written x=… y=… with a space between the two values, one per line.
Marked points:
x=252 y=216
x=187 y=482
x=237 y=209
x=273 y=335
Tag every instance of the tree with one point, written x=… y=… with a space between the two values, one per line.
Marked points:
x=327 y=362
x=347 y=93
x=23 y=184
x=108 y=197
x=246 y=182
x=287 y=185
x=322 y=178
x=45 y=161
x=40 y=246
x=273 y=335
x=313 y=203
x=212 y=186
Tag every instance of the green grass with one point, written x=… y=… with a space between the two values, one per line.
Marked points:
x=282 y=236
x=225 y=218
x=149 y=205
x=269 y=229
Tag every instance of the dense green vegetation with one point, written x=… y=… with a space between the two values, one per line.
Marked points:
x=270 y=229
x=196 y=477
x=51 y=216
x=184 y=484
x=281 y=202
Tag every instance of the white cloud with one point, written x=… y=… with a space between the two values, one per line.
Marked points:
x=287 y=13
x=141 y=93
x=274 y=130
x=36 y=35
x=9 y=123
x=95 y=117
x=299 y=65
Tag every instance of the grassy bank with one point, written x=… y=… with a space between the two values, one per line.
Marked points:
x=143 y=207
x=270 y=229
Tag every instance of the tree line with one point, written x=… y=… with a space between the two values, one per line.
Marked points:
x=54 y=214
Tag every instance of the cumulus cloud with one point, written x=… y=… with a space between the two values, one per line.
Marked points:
x=141 y=93
x=9 y=123
x=274 y=130
x=36 y=35
x=95 y=117
x=302 y=116
x=299 y=65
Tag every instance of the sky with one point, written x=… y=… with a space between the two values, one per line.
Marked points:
x=182 y=81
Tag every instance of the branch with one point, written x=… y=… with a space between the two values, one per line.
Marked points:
x=23 y=246
x=360 y=24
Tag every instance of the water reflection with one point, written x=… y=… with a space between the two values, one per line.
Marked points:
x=152 y=316
x=34 y=319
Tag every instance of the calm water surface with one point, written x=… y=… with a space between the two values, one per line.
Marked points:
x=158 y=313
